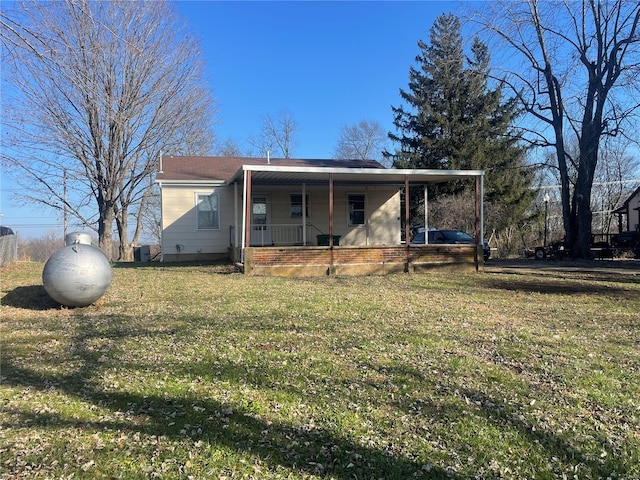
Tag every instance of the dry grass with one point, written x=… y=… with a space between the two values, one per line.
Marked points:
x=198 y=372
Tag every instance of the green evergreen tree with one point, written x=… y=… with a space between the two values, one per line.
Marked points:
x=454 y=120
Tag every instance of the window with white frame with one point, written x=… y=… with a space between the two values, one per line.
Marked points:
x=295 y=207
x=355 y=204
x=207 y=211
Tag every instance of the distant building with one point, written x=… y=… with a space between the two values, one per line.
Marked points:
x=629 y=213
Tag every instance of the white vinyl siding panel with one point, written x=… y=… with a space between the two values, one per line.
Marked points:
x=179 y=220
x=382 y=216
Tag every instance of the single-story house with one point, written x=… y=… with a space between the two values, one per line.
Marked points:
x=302 y=217
x=629 y=213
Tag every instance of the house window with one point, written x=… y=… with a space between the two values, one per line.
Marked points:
x=208 y=213
x=356 y=209
x=296 y=205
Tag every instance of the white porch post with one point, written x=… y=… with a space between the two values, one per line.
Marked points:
x=407 y=240
x=304 y=214
x=247 y=225
x=482 y=208
x=236 y=226
x=331 y=223
x=479 y=209
x=426 y=215
x=407 y=218
x=331 y=210
x=245 y=206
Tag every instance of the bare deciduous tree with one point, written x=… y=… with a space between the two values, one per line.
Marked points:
x=278 y=135
x=365 y=140
x=40 y=249
x=228 y=148
x=578 y=80
x=94 y=92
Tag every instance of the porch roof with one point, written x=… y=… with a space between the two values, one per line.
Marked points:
x=194 y=169
x=276 y=174
x=227 y=170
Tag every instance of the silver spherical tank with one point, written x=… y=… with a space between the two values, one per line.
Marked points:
x=77 y=275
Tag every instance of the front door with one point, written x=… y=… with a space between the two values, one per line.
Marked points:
x=260 y=221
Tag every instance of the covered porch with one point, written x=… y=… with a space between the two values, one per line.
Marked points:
x=356 y=229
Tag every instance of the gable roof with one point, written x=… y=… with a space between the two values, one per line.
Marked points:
x=623 y=208
x=194 y=168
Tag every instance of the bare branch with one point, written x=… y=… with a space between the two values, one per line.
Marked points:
x=578 y=77
x=278 y=133
x=365 y=140
x=117 y=83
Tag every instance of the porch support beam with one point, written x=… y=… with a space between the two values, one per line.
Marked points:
x=426 y=214
x=477 y=211
x=330 y=222
x=236 y=227
x=482 y=208
x=479 y=214
x=304 y=214
x=247 y=210
x=407 y=240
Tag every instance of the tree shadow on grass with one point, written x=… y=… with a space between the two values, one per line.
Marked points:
x=510 y=417
x=32 y=297
x=303 y=448
x=507 y=418
x=222 y=267
x=546 y=284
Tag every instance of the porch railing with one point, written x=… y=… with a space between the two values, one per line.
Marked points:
x=273 y=234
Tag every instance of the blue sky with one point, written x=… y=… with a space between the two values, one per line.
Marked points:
x=329 y=64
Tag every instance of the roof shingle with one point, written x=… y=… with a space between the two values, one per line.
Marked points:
x=223 y=168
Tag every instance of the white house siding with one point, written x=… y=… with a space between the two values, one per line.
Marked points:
x=385 y=214
x=382 y=216
x=179 y=223
x=382 y=211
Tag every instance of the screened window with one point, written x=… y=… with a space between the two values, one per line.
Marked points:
x=296 y=205
x=208 y=212
x=356 y=210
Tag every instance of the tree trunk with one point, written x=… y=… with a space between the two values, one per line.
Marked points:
x=108 y=85
x=565 y=192
x=581 y=247
x=105 y=231
x=583 y=216
x=125 y=249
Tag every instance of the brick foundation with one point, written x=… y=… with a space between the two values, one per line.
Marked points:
x=379 y=260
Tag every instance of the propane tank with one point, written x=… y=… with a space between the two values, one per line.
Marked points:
x=77 y=275
x=77 y=237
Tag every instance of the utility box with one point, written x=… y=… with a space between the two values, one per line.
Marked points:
x=323 y=240
x=142 y=253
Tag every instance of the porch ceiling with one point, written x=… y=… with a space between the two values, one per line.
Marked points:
x=273 y=174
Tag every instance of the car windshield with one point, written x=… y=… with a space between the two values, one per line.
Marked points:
x=454 y=236
x=444 y=236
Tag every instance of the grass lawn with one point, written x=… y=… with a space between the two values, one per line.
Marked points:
x=198 y=372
